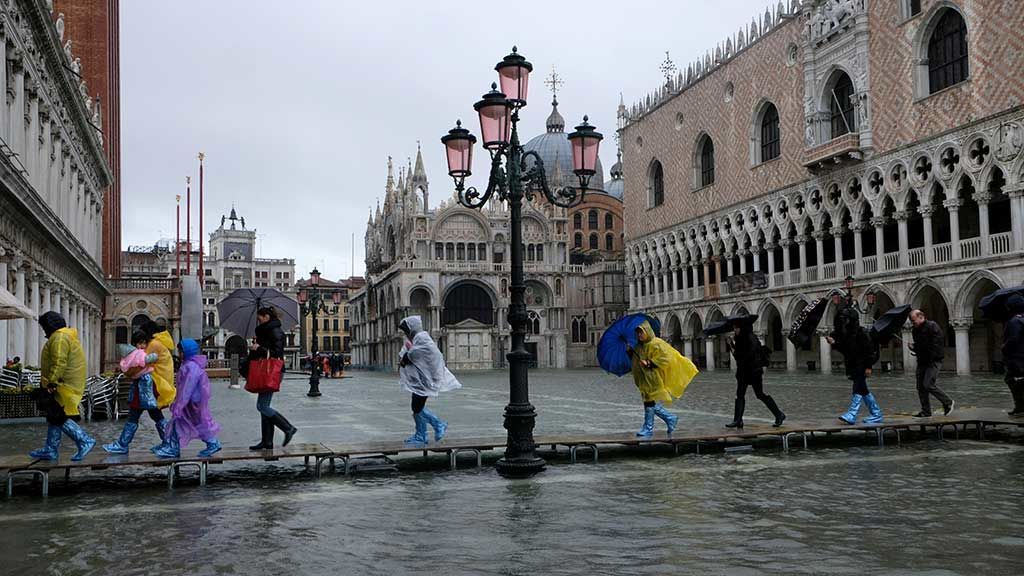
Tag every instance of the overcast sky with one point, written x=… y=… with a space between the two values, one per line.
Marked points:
x=297 y=105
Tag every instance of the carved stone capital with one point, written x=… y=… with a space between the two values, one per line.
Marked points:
x=877 y=221
x=961 y=324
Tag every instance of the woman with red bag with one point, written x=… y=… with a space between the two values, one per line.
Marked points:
x=266 y=367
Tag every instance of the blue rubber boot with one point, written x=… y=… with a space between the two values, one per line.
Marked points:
x=212 y=447
x=440 y=426
x=669 y=418
x=647 y=430
x=121 y=445
x=147 y=394
x=850 y=417
x=170 y=448
x=874 y=410
x=420 y=437
x=81 y=438
x=161 y=430
x=49 y=451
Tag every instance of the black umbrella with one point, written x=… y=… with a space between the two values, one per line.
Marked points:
x=889 y=324
x=807 y=321
x=993 y=306
x=724 y=326
x=238 y=311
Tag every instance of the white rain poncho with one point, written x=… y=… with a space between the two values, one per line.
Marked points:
x=422 y=370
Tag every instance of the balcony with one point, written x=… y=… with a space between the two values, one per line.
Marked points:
x=916 y=257
x=778 y=279
x=144 y=284
x=870 y=264
x=834 y=153
x=1001 y=243
x=891 y=261
x=942 y=253
x=970 y=248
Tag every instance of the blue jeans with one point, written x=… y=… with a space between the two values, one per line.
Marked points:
x=263 y=404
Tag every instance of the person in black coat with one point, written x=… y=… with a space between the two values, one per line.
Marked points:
x=269 y=344
x=1013 y=352
x=860 y=352
x=929 y=346
x=746 y=349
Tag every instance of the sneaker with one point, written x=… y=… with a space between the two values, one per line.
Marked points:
x=922 y=415
x=947 y=409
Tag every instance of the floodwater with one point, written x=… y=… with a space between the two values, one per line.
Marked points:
x=845 y=507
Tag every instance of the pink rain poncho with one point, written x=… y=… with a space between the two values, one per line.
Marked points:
x=190 y=411
x=134 y=363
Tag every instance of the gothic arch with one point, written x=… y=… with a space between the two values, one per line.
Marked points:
x=420 y=286
x=486 y=287
x=454 y=210
x=919 y=285
x=796 y=305
x=931 y=19
x=757 y=133
x=710 y=316
x=963 y=307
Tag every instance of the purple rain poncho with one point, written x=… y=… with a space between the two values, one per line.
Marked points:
x=190 y=412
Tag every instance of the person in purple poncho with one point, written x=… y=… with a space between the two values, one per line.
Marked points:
x=190 y=412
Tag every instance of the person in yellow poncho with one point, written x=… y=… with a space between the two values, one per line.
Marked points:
x=161 y=344
x=661 y=374
x=62 y=383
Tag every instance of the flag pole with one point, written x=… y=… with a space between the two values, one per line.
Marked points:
x=177 y=237
x=188 y=224
x=202 y=265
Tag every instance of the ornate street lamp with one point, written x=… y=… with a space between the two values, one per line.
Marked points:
x=516 y=174
x=313 y=300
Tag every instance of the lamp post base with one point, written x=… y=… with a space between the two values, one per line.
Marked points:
x=520 y=459
x=520 y=467
x=314 y=387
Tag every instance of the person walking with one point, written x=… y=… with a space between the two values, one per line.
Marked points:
x=61 y=385
x=1013 y=352
x=661 y=374
x=423 y=374
x=137 y=366
x=161 y=343
x=190 y=412
x=929 y=345
x=859 y=354
x=750 y=364
x=269 y=344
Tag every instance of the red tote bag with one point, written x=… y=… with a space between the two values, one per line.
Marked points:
x=264 y=375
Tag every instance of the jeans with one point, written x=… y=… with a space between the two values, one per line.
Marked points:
x=135 y=413
x=418 y=402
x=926 y=376
x=263 y=404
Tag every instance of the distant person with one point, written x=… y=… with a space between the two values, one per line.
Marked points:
x=325 y=362
x=190 y=412
x=1013 y=352
x=860 y=353
x=423 y=374
x=661 y=374
x=61 y=386
x=137 y=365
x=269 y=344
x=14 y=364
x=929 y=345
x=750 y=364
x=161 y=343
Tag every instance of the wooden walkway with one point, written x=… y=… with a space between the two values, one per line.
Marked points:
x=317 y=454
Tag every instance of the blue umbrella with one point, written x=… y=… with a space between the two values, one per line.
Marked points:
x=611 y=350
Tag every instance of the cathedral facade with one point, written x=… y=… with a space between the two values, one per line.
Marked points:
x=450 y=265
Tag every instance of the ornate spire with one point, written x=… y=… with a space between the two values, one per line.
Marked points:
x=419 y=173
x=555 y=122
x=391 y=176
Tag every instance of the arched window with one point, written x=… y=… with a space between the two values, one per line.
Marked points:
x=558 y=286
x=460 y=251
x=577 y=221
x=471 y=252
x=705 y=165
x=841 y=106
x=593 y=242
x=609 y=222
x=656 y=186
x=577 y=241
x=609 y=242
x=531 y=253
x=592 y=220
x=770 y=141
x=439 y=251
x=540 y=252
x=947 y=52
x=532 y=322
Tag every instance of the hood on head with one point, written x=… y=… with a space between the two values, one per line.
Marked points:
x=199 y=360
x=125 y=349
x=645 y=327
x=189 y=348
x=164 y=338
x=847 y=319
x=51 y=322
x=411 y=325
x=1015 y=304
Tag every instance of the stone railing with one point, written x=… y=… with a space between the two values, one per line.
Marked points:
x=1001 y=243
x=143 y=284
x=916 y=257
x=849 y=268
x=829 y=271
x=794 y=277
x=891 y=261
x=870 y=264
x=778 y=279
x=811 y=274
x=942 y=252
x=970 y=248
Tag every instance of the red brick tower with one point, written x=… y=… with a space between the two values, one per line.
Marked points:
x=92 y=26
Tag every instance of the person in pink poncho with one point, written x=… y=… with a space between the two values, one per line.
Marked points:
x=190 y=412
x=142 y=396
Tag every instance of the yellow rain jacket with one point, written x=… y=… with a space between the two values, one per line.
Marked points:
x=63 y=368
x=163 y=370
x=669 y=372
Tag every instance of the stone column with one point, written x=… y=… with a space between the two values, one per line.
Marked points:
x=707 y=284
x=32 y=342
x=1017 y=217
x=718 y=272
x=785 y=244
x=55 y=300
x=709 y=352
x=44 y=307
x=4 y=324
x=17 y=109
x=743 y=260
x=983 y=199
x=901 y=223
x=770 y=248
x=962 y=331
x=632 y=293
x=32 y=136
x=953 y=207
x=858 y=248
x=879 y=223
x=4 y=127
x=688 y=347
x=837 y=242
x=692 y=271
x=802 y=240
x=729 y=266
x=756 y=251
x=790 y=355
x=926 y=221
x=44 y=166
x=17 y=333
x=825 y=353
x=65 y=309
x=909 y=361
x=819 y=247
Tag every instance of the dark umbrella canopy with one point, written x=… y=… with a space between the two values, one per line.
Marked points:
x=889 y=324
x=724 y=326
x=237 y=312
x=994 y=307
x=807 y=321
x=611 y=350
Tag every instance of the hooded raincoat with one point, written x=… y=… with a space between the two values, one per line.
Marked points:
x=669 y=372
x=190 y=413
x=422 y=369
x=63 y=368
x=163 y=370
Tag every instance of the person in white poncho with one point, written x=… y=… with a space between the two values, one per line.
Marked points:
x=422 y=373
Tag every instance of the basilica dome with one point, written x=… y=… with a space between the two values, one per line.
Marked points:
x=555 y=151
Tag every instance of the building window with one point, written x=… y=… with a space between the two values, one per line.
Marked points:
x=770 y=145
x=558 y=286
x=841 y=107
x=439 y=251
x=593 y=242
x=579 y=329
x=471 y=252
x=577 y=221
x=286 y=275
x=947 y=52
x=577 y=240
x=609 y=242
x=540 y=252
x=705 y=162
x=656 y=186
x=531 y=253
x=335 y=323
x=460 y=252
x=592 y=220
x=532 y=322
x=609 y=222
x=277 y=276
x=327 y=324
x=481 y=251
x=449 y=251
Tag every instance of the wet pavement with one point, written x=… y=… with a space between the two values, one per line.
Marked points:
x=927 y=507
